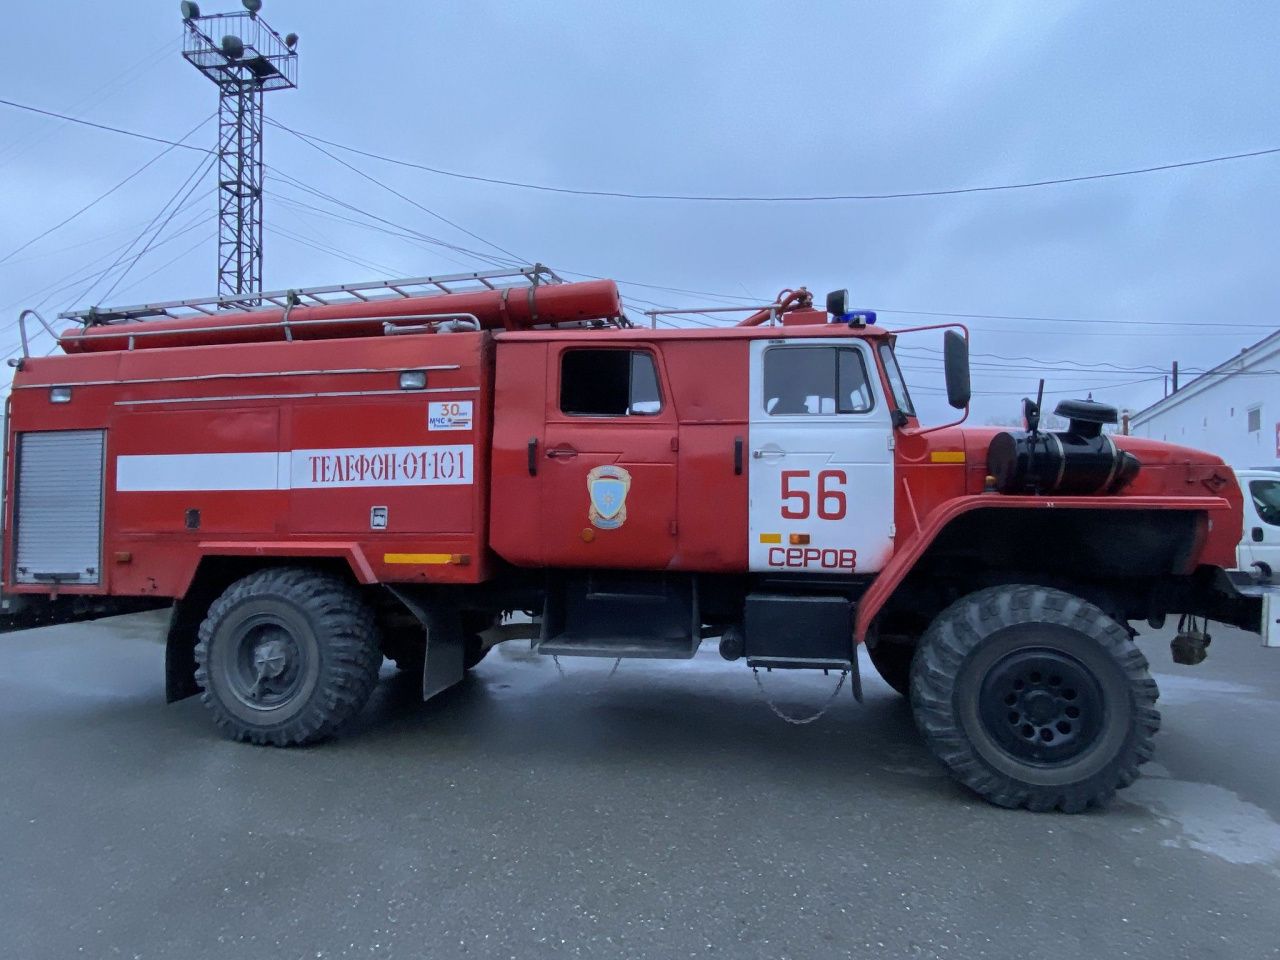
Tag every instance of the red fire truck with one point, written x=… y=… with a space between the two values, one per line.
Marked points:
x=320 y=478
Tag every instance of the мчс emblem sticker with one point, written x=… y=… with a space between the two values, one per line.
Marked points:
x=607 y=487
x=449 y=415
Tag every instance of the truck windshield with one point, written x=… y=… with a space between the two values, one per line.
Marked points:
x=1266 y=498
x=896 y=383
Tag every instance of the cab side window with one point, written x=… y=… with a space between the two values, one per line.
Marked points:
x=609 y=383
x=815 y=381
x=1266 y=499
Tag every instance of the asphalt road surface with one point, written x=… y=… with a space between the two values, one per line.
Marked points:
x=662 y=812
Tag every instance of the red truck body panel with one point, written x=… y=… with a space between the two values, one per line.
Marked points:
x=232 y=436
x=276 y=443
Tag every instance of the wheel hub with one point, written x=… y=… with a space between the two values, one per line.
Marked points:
x=1042 y=706
x=269 y=665
x=270 y=658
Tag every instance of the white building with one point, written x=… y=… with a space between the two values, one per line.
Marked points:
x=1232 y=410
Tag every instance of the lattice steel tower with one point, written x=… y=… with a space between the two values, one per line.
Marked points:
x=246 y=60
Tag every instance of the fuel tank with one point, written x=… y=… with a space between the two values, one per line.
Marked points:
x=511 y=308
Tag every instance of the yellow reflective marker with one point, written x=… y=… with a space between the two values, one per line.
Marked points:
x=947 y=456
x=417 y=557
x=770 y=538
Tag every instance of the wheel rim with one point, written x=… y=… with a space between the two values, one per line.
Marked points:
x=267 y=665
x=1042 y=706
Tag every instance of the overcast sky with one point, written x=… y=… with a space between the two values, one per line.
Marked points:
x=709 y=98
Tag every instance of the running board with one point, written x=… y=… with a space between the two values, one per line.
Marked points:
x=605 y=613
x=651 y=649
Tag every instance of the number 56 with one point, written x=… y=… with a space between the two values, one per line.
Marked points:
x=832 y=502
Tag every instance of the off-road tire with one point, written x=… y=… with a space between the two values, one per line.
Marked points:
x=974 y=652
x=338 y=655
x=893 y=662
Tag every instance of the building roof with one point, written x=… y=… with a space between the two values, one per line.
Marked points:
x=1249 y=355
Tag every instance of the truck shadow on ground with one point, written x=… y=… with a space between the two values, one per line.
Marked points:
x=655 y=718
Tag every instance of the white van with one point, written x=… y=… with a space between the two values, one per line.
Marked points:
x=1259 y=551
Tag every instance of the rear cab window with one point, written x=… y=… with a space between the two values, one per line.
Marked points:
x=609 y=383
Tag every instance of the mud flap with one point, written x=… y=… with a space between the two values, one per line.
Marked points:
x=446 y=644
x=180 y=648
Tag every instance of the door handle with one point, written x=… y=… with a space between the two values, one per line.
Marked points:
x=737 y=456
x=561 y=453
x=768 y=454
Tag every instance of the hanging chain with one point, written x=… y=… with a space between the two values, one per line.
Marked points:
x=560 y=669
x=800 y=721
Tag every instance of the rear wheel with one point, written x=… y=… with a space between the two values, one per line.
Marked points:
x=287 y=656
x=1034 y=698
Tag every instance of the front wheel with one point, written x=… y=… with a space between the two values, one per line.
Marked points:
x=1034 y=698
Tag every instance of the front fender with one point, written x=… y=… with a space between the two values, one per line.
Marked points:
x=913 y=547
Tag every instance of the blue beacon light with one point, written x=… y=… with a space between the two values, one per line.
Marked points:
x=859 y=318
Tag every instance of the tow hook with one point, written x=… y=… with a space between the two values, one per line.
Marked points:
x=1191 y=645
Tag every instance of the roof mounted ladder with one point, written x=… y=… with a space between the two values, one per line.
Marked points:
x=531 y=276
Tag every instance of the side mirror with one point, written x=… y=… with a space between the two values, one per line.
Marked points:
x=838 y=303
x=955 y=362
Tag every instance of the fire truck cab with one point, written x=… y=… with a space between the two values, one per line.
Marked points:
x=318 y=479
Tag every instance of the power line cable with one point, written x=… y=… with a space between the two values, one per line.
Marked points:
x=331 y=250
x=1142 y=323
x=124 y=228
x=178 y=234
x=308 y=209
x=19 y=146
x=168 y=263
x=745 y=198
x=393 y=190
x=105 y=126
x=202 y=167
x=711 y=198
x=93 y=203
x=487 y=257
x=173 y=236
x=77 y=276
x=196 y=176
x=309 y=138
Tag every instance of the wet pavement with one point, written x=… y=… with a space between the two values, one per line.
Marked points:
x=662 y=812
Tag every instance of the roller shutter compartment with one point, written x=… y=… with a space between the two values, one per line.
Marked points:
x=58 y=507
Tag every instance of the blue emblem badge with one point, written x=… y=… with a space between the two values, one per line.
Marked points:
x=607 y=487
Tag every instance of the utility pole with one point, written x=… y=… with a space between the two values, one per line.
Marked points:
x=1175 y=376
x=246 y=60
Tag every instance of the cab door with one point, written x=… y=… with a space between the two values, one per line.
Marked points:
x=821 y=480
x=1261 y=543
x=607 y=471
